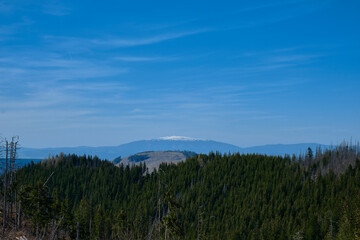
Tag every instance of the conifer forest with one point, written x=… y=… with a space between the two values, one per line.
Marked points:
x=313 y=196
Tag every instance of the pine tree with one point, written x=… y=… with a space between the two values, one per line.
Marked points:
x=345 y=230
x=37 y=204
x=171 y=221
x=82 y=218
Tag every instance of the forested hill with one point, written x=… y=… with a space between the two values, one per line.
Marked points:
x=153 y=159
x=167 y=144
x=206 y=197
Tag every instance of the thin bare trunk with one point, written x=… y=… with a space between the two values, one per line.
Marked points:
x=11 y=171
x=159 y=204
x=77 y=230
x=19 y=216
x=55 y=228
x=38 y=208
x=37 y=230
x=5 y=186
x=16 y=212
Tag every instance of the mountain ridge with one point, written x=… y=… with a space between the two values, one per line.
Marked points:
x=174 y=144
x=153 y=159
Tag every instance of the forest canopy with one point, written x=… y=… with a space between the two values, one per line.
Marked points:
x=214 y=196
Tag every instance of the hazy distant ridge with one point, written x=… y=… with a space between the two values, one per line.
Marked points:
x=194 y=145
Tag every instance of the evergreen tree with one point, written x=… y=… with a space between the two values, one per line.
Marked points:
x=37 y=204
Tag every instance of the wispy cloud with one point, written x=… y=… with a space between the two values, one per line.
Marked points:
x=37 y=100
x=73 y=43
x=158 y=26
x=65 y=97
x=276 y=59
x=122 y=42
x=136 y=110
x=143 y=59
x=45 y=75
x=42 y=67
x=299 y=58
x=97 y=86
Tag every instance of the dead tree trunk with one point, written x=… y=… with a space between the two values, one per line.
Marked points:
x=19 y=216
x=8 y=180
x=16 y=212
x=5 y=185
x=11 y=171
x=159 y=206
x=77 y=230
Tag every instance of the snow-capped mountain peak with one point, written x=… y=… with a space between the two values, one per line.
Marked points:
x=179 y=138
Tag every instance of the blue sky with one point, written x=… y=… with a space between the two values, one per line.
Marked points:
x=244 y=72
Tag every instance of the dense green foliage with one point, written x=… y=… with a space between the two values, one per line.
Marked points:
x=209 y=197
x=188 y=153
x=143 y=156
x=138 y=158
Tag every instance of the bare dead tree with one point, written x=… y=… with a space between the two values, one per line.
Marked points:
x=159 y=205
x=12 y=159
x=9 y=193
x=55 y=227
x=77 y=230
x=5 y=186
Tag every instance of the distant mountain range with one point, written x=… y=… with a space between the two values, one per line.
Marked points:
x=173 y=143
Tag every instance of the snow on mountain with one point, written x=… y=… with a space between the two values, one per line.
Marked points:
x=180 y=138
x=171 y=143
